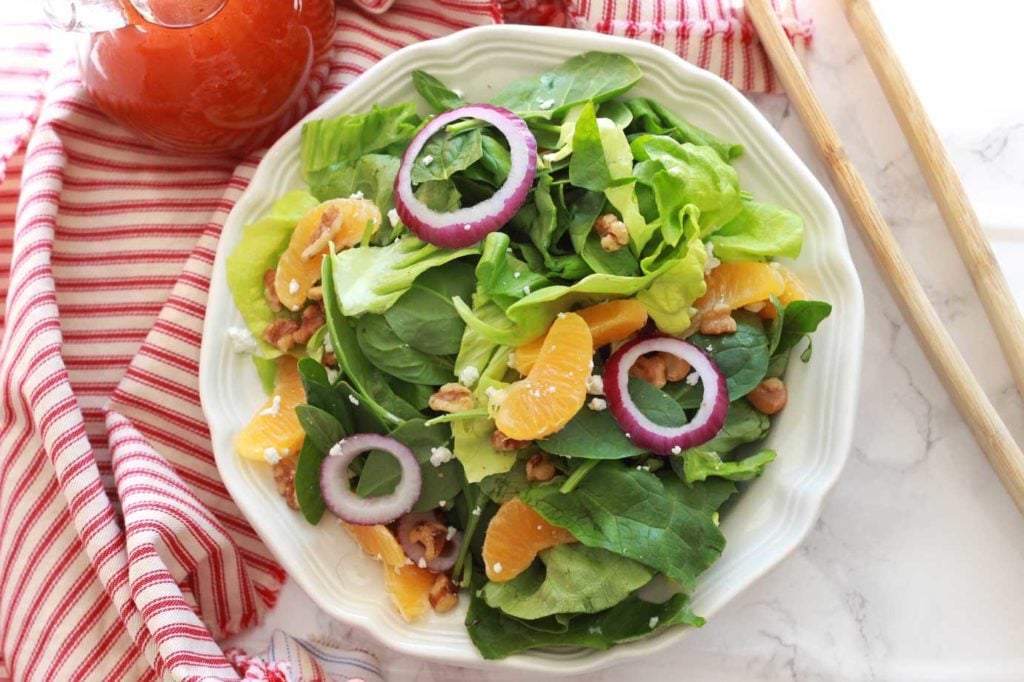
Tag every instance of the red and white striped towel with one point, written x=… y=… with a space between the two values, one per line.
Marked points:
x=121 y=554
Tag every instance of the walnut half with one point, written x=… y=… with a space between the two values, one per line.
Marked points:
x=452 y=398
x=444 y=596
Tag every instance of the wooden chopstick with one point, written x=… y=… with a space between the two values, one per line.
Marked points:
x=991 y=433
x=945 y=185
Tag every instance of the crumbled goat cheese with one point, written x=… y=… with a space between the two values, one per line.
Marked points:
x=452 y=530
x=272 y=455
x=692 y=378
x=356 y=195
x=353 y=399
x=469 y=375
x=427 y=160
x=546 y=104
x=440 y=455
x=711 y=263
x=422 y=563
x=595 y=384
x=393 y=217
x=598 y=404
x=526 y=289
x=476 y=511
x=653 y=622
x=676 y=449
x=274 y=409
x=242 y=340
x=497 y=567
x=517 y=274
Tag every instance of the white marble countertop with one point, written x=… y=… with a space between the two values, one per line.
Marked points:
x=914 y=570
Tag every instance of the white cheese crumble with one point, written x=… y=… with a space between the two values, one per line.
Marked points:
x=332 y=373
x=598 y=404
x=452 y=530
x=676 y=449
x=353 y=399
x=653 y=622
x=476 y=511
x=293 y=286
x=442 y=503
x=711 y=263
x=458 y=93
x=356 y=195
x=546 y=104
x=440 y=455
x=422 y=563
x=427 y=160
x=497 y=567
x=272 y=455
x=328 y=344
x=467 y=227
x=692 y=378
x=469 y=375
x=595 y=384
x=517 y=274
x=242 y=340
x=274 y=409
x=393 y=217
x=526 y=289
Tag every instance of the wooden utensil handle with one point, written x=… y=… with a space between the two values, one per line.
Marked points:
x=988 y=428
x=945 y=185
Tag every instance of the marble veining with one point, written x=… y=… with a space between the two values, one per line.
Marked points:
x=913 y=570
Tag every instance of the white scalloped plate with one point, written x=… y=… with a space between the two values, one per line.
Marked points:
x=812 y=435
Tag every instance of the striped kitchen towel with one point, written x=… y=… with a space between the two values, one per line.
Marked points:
x=121 y=554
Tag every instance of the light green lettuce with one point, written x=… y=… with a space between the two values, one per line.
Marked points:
x=759 y=231
x=258 y=250
x=669 y=298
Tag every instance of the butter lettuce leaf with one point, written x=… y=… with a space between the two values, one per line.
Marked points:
x=757 y=232
x=258 y=250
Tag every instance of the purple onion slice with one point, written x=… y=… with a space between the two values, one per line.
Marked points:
x=368 y=511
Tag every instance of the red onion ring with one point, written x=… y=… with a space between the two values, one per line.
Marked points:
x=641 y=431
x=415 y=551
x=468 y=225
x=368 y=511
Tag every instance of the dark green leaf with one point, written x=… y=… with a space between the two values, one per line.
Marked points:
x=660 y=522
x=568 y=579
x=801 y=318
x=435 y=93
x=592 y=434
x=742 y=356
x=307 y=482
x=503 y=487
x=320 y=393
x=439 y=195
x=651 y=117
x=446 y=154
x=320 y=427
x=381 y=472
x=594 y=76
x=389 y=354
x=743 y=424
x=497 y=635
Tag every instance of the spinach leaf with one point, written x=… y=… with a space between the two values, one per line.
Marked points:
x=372 y=388
x=320 y=393
x=587 y=166
x=435 y=93
x=757 y=232
x=596 y=435
x=425 y=317
x=381 y=472
x=439 y=195
x=743 y=424
x=700 y=463
x=800 y=319
x=417 y=395
x=307 y=482
x=503 y=487
x=594 y=76
x=652 y=117
x=616 y=111
x=446 y=154
x=568 y=579
x=660 y=522
x=389 y=354
x=742 y=355
x=497 y=635
x=321 y=428
x=501 y=277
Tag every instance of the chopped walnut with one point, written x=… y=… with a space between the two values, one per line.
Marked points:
x=312 y=319
x=676 y=368
x=284 y=478
x=329 y=225
x=613 y=232
x=444 y=596
x=503 y=443
x=718 y=320
x=433 y=536
x=452 y=398
x=539 y=468
x=270 y=290
x=650 y=369
x=281 y=334
x=329 y=359
x=769 y=396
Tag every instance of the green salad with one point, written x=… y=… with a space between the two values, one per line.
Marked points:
x=525 y=350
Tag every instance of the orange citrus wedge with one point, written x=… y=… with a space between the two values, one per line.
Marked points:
x=275 y=430
x=513 y=538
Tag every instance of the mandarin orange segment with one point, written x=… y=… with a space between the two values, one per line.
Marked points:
x=275 y=430
x=378 y=542
x=740 y=284
x=556 y=386
x=609 y=322
x=299 y=267
x=409 y=587
x=794 y=291
x=513 y=538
